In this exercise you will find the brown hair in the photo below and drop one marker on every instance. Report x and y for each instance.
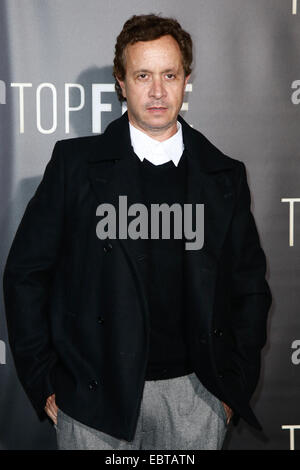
(148, 28)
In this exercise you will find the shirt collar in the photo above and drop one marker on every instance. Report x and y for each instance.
(153, 150)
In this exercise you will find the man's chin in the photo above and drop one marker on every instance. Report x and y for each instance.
(158, 123)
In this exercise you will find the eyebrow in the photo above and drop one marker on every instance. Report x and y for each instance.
(149, 71)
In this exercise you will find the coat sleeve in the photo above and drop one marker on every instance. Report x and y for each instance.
(27, 282)
(250, 294)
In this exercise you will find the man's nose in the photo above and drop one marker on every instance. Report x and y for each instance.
(157, 89)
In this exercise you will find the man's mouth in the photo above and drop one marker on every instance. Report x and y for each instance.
(157, 108)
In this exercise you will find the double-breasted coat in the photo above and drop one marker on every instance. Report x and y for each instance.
(76, 306)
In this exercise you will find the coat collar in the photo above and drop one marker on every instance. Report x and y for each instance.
(115, 144)
(209, 181)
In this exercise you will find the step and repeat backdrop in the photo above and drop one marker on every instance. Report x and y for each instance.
(244, 94)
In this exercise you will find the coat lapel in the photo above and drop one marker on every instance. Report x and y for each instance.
(210, 181)
(113, 171)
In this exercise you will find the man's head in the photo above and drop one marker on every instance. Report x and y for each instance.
(152, 64)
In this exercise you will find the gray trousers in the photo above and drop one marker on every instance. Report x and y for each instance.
(175, 414)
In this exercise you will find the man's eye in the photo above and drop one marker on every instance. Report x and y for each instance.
(142, 75)
(170, 75)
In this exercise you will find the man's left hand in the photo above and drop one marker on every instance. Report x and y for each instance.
(228, 411)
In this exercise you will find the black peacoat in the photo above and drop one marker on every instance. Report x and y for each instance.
(76, 305)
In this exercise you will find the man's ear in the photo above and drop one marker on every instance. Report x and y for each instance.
(122, 85)
(186, 80)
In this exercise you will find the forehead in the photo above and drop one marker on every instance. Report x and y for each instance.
(164, 50)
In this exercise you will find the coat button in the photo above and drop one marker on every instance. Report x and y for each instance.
(142, 257)
(102, 180)
(107, 247)
(93, 384)
(218, 332)
(100, 320)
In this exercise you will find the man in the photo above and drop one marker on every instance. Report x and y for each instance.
(136, 343)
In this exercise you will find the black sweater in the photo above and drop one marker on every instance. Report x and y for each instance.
(167, 358)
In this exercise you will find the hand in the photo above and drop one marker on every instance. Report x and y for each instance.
(228, 411)
(51, 408)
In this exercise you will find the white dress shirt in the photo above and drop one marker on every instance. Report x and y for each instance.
(153, 150)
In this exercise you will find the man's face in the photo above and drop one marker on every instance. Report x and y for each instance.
(154, 85)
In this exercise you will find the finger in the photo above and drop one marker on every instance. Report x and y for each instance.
(230, 416)
(51, 404)
(228, 412)
(52, 415)
(226, 408)
(51, 397)
(53, 409)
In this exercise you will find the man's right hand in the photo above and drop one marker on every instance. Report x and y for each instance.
(51, 408)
